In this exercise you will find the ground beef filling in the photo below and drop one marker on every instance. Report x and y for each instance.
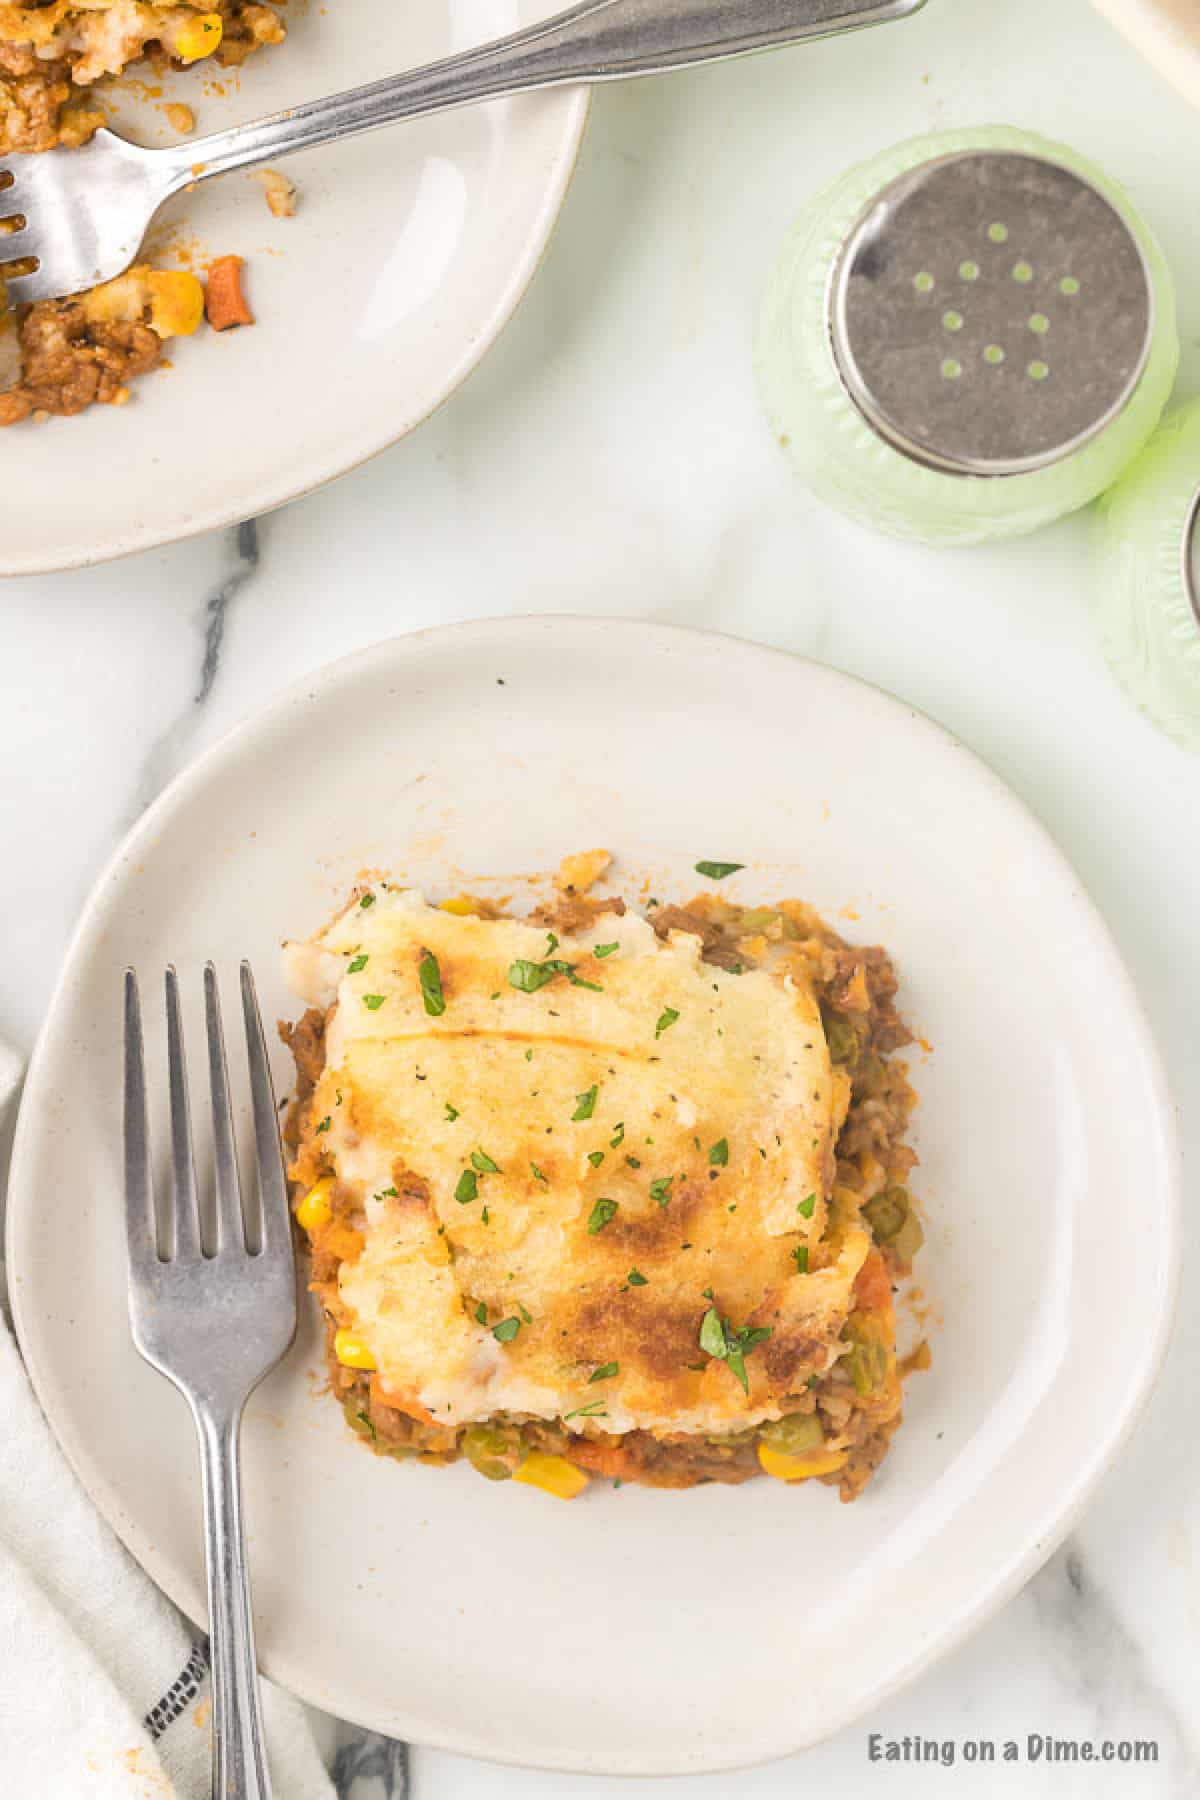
(69, 362)
(856, 988)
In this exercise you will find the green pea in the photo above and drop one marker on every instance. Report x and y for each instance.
(886, 1214)
(841, 1037)
(756, 918)
(492, 1449)
(796, 1434)
(909, 1238)
(866, 1362)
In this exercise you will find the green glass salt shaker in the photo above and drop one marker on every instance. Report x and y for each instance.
(1148, 577)
(967, 337)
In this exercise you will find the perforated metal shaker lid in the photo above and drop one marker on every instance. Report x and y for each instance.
(990, 312)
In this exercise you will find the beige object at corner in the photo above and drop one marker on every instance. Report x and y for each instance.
(1167, 32)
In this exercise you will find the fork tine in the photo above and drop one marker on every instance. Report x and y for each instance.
(22, 289)
(140, 1229)
(272, 1181)
(185, 1231)
(231, 1231)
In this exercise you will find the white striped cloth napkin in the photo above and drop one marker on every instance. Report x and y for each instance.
(106, 1690)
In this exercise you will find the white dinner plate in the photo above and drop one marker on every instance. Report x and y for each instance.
(632, 1630)
(408, 252)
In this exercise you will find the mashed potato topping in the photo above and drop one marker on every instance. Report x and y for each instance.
(575, 1185)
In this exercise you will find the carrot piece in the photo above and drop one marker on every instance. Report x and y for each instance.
(873, 1289)
(224, 303)
(602, 1459)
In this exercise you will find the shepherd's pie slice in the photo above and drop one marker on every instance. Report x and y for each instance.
(573, 1194)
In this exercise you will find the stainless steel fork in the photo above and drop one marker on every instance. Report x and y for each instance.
(214, 1320)
(85, 211)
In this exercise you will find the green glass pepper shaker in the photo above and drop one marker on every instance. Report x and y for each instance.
(1148, 577)
(967, 337)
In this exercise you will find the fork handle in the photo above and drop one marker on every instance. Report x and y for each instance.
(598, 40)
(239, 1752)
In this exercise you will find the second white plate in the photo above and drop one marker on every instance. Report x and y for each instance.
(407, 254)
(632, 1631)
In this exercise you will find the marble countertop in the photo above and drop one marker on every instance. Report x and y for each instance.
(610, 457)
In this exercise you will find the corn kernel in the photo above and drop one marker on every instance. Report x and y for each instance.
(798, 1468)
(463, 907)
(352, 1350)
(176, 302)
(553, 1474)
(316, 1208)
(199, 37)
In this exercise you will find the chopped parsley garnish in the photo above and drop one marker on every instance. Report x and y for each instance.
(718, 1156)
(372, 1002)
(717, 871)
(360, 962)
(451, 1112)
(431, 985)
(635, 1162)
(720, 1340)
(538, 1176)
(605, 949)
(388, 1193)
(618, 1136)
(597, 1410)
(801, 1255)
(660, 1190)
(481, 1313)
(528, 977)
(367, 900)
(527, 1317)
(635, 1278)
(506, 1330)
(595, 1157)
(326, 1122)
(482, 1161)
(666, 1019)
(485, 1215)
(604, 1373)
(468, 1187)
(364, 1419)
(586, 1104)
(529, 1056)
(601, 1213)
(805, 1208)
(551, 944)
